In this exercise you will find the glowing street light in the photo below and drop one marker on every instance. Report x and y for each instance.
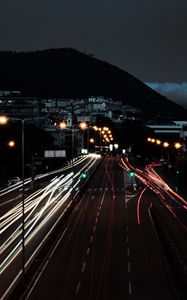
(166, 144)
(152, 140)
(11, 144)
(96, 128)
(3, 120)
(63, 125)
(83, 125)
(149, 139)
(158, 142)
(178, 145)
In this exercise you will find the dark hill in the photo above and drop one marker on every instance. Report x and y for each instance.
(69, 73)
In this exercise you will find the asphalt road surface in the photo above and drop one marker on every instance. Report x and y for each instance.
(105, 251)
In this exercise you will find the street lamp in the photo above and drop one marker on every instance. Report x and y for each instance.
(166, 144)
(4, 120)
(83, 126)
(11, 144)
(178, 145)
(63, 125)
(158, 142)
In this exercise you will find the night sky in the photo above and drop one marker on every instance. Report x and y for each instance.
(147, 38)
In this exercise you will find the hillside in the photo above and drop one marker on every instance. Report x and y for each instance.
(69, 73)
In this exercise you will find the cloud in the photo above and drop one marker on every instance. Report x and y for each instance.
(174, 91)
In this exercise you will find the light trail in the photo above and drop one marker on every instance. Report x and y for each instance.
(40, 208)
(138, 205)
(169, 198)
(18, 185)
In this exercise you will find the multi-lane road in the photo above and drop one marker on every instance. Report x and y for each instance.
(43, 209)
(108, 247)
(103, 252)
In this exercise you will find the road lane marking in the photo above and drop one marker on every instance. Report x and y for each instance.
(129, 267)
(94, 228)
(127, 239)
(91, 238)
(88, 251)
(125, 204)
(78, 287)
(83, 266)
(96, 220)
(127, 228)
(102, 199)
(128, 251)
(130, 288)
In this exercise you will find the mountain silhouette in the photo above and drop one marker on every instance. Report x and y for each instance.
(69, 73)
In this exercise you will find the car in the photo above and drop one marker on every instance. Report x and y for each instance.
(13, 180)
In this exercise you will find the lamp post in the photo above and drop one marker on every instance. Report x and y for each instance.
(4, 120)
(63, 125)
(177, 146)
(83, 126)
(98, 129)
(11, 144)
(166, 145)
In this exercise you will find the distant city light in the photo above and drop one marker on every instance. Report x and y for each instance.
(3, 120)
(83, 125)
(62, 125)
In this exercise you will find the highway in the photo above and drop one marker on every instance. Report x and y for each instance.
(43, 208)
(108, 248)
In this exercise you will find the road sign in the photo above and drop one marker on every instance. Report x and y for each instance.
(54, 153)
